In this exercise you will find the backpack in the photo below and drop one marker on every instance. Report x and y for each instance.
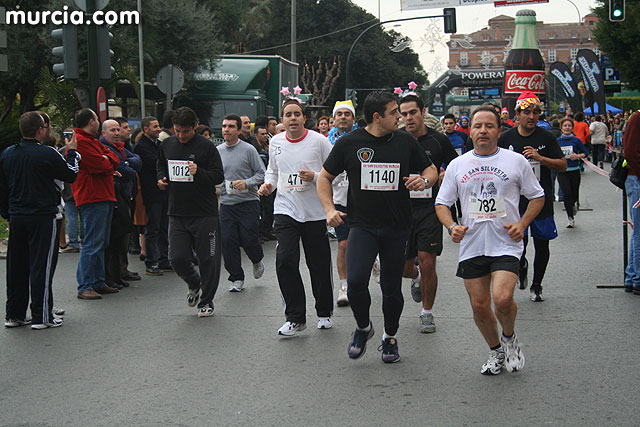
(618, 174)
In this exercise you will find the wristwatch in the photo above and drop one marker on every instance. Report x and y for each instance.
(450, 229)
(426, 182)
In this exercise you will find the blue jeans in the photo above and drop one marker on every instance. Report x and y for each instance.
(632, 277)
(96, 219)
(74, 228)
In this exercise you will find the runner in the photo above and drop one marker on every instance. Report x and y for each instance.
(489, 181)
(295, 161)
(569, 181)
(543, 152)
(378, 160)
(425, 240)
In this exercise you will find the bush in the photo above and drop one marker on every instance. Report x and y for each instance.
(625, 103)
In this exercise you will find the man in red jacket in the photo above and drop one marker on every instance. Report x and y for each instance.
(94, 195)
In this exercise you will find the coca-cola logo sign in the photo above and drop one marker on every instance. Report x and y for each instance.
(517, 81)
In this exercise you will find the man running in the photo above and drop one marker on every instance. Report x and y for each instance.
(425, 240)
(378, 160)
(489, 181)
(543, 152)
(295, 161)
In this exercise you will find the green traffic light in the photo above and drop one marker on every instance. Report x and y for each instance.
(617, 13)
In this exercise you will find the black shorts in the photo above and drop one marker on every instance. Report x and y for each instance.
(426, 233)
(479, 266)
(342, 231)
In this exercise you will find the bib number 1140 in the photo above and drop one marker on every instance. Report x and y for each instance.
(379, 176)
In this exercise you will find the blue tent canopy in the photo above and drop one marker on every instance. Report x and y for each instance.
(611, 108)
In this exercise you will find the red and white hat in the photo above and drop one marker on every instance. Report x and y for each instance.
(526, 99)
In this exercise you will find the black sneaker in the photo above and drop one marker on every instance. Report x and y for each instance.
(522, 274)
(358, 345)
(389, 349)
(153, 271)
(535, 293)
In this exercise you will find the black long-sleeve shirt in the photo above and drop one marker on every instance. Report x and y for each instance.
(190, 195)
(27, 173)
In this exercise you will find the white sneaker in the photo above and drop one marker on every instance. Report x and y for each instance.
(289, 328)
(494, 365)
(572, 223)
(14, 323)
(58, 311)
(56, 322)
(514, 359)
(342, 300)
(324, 323)
(258, 270)
(237, 286)
(193, 297)
(206, 311)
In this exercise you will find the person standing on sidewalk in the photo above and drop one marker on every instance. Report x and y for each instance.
(295, 161)
(189, 167)
(631, 143)
(240, 203)
(29, 199)
(489, 182)
(378, 160)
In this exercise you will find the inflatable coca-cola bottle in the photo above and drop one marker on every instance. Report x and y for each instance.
(524, 67)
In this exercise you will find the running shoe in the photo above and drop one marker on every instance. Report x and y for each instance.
(571, 223)
(289, 329)
(258, 270)
(389, 349)
(495, 363)
(237, 286)
(56, 322)
(522, 274)
(193, 297)
(324, 323)
(535, 293)
(342, 300)
(206, 311)
(514, 359)
(416, 293)
(358, 345)
(58, 311)
(427, 324)
(14, 323)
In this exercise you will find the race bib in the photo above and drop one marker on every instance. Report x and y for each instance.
(379, 176)
(422, 194)
(486, 209)
(291, 182)
(230, 189)
(344, 182)
(179, 171)
(567, 151)
(535, 165)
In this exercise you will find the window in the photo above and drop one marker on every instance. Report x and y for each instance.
(464, 58)
(551, 55)
(574, 52)
(596, 50)
(551, 36)
(507, 37)
(485, 37)
(464, 92)
(574, 35)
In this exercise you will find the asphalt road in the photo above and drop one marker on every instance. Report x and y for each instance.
(142, 357)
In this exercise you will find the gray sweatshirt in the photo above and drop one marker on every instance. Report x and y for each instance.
(240, 161)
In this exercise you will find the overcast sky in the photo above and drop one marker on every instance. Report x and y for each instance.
(469, 19)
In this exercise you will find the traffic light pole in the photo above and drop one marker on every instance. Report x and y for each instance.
(346, 73)
(94, 73)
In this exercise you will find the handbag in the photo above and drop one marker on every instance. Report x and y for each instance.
(619, 172)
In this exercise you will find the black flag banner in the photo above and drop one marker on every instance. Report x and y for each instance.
(561, 72)
(592, 77)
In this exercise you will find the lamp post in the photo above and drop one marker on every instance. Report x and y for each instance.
(579, 21)
(346, 73)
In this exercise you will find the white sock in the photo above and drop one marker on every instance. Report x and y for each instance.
(426, 312)
(386, 335)
(418, 277)
(343, 283)
(367, 329)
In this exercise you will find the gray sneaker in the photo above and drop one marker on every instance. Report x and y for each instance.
(416, 293)
(427, 324)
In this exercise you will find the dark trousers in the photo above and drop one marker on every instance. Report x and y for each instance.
(31, 258)
(239, 228)
(570, 184)
(113, 258)
(597, 153)
(266, 213)
(540, 259)
(317, 254)
(203, 234)
(156, 233)
(362, 247)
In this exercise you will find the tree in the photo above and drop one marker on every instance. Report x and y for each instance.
(619, 40)
(320, 79)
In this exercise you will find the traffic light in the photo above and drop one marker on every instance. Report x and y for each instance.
(450, 20)
(616, 10)
(68, 35)
(103, 37)
(352, 95)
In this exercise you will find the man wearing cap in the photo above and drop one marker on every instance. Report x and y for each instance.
(345, 116)
(544, 154)
(505, 122)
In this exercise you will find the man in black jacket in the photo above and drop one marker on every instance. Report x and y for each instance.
(29, 199)
(155, 201)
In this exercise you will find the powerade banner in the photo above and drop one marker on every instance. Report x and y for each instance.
(439, 89)
(561, 72)
(592, 77)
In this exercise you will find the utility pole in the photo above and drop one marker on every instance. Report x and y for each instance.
(141, 61)
(293, 31)
(94, 73)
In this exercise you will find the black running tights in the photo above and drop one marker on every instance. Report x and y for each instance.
(541, 258)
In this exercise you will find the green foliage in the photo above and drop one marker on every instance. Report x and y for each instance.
(58, 94)
(625, 103)
(619, 40)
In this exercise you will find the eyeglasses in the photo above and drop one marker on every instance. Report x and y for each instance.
(45, 126)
